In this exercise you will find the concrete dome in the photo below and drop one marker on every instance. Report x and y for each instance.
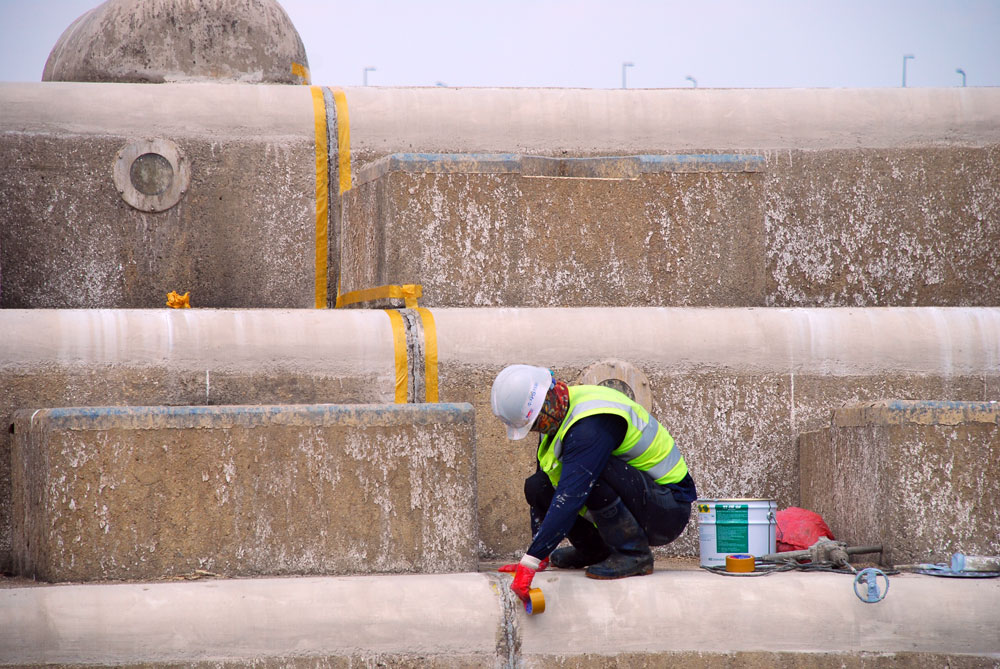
(155, 41)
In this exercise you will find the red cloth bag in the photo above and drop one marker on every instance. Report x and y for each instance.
(798, 529)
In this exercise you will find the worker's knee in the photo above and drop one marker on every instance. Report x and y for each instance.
(538, 490)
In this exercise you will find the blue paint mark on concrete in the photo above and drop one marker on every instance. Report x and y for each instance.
(158, 417)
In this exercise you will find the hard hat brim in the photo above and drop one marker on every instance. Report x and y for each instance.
(518, 433)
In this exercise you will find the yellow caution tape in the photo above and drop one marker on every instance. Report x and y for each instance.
(322, 190)
(399, 342)
(408, 293)
(343, 139)
(430, 354)
(740, 563)
(535, 603)
(302, 72)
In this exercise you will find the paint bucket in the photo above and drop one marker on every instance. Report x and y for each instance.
(728, 526)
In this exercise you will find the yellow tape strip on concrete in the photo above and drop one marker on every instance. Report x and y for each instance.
(399, 342)
(322, 200)
(343, 139)
(430, 354)
(408, 292)
(301, 71)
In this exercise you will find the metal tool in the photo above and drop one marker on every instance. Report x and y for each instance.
(824, 550)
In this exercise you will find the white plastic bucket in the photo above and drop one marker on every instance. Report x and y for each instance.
(728, 526)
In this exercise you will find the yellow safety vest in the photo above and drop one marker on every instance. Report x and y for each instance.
(647, 445)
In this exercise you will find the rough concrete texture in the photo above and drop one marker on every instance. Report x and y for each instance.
(147, 492)
(156, 41)
(832, 228)
(241, 236)
(734, 386)
(919, 477)
(546, 240)
(882, 227)
(472, 619)
(874, 197)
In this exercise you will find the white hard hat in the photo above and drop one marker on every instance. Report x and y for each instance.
(518, 395)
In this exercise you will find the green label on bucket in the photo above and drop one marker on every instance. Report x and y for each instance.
(731, 534)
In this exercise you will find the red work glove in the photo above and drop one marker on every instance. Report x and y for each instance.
(523, 574)
(511, 568)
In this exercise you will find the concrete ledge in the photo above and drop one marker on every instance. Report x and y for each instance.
(146, 492)
(542, 120)
(472, 619)
(918, 477)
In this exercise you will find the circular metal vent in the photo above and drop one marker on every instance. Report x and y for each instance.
(151, 174)
(621, 376)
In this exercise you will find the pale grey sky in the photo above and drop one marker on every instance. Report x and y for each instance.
(583, 43)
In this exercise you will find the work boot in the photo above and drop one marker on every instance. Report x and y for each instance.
(630, 554)
(587, 547)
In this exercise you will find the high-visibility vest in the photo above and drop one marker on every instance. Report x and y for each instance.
(647, 445)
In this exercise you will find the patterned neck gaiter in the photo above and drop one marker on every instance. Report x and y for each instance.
(554, 410)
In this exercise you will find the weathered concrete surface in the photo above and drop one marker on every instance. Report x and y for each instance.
(822, 228)
(153, 41)
(690, 617)
(918, 477)
(110, 493)
(866, 197)
(889, 227)
(735, 387)
(677, 235)
(242, 235)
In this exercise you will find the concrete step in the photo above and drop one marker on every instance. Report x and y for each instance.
(680, 614)
(735, 387)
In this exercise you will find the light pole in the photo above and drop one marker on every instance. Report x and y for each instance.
(905, 58)
(624, 65)
(364, 74)
(693, 81)
(962, 72)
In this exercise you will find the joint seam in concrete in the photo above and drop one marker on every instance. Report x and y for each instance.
(509, 632)
(606, 167)
(416, 388)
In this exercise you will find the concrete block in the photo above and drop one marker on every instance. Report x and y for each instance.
(241, 235)
(918, 477)
(530, 231)
(150, 492)
(883, 227)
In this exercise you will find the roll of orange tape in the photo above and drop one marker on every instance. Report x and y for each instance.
(740, 563)
(536, 602)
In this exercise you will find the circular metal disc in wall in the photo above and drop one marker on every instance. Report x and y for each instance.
(151, 174)
(623, 377)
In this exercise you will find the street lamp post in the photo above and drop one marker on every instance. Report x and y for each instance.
(962, 72)
(905, 58)
(364, 74)
(624, 65)
(693, 81)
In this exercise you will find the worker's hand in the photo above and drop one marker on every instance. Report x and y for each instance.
(512, 567)
(523, 574)
(522, 582)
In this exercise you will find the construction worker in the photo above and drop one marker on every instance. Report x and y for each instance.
(609, 477)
